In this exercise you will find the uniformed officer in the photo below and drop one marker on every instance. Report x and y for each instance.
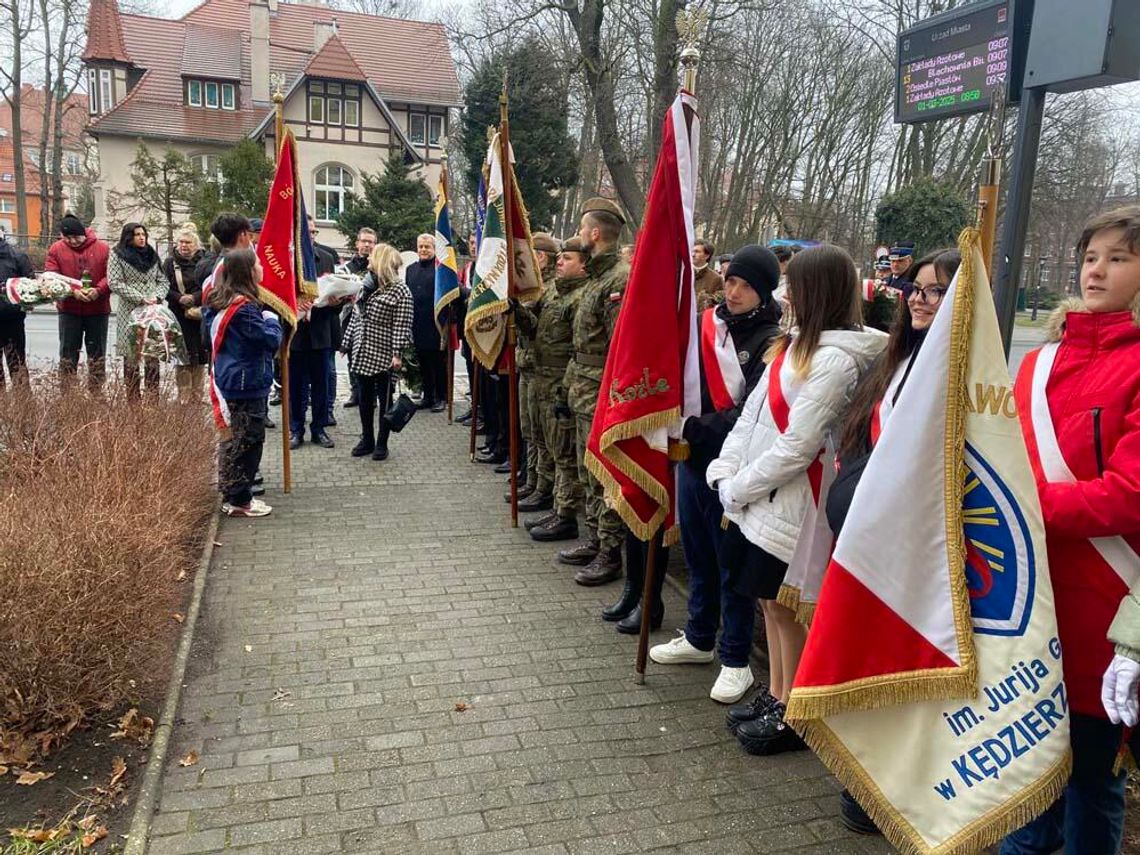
(594, 322)
(553, 323)
(539, 463)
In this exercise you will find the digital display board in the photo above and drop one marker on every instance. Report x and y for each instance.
(955, 63)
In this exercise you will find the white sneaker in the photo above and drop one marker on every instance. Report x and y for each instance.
(678, 651)
(256, 508)
(732, 684)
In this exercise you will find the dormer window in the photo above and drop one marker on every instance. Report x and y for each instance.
(100, 97)
(334, 103)
(211, 94)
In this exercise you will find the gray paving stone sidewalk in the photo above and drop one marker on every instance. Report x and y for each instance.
(340, 635)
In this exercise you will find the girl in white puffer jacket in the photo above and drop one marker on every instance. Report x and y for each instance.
(770, 469)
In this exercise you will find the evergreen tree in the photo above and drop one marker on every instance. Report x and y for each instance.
(930, 213)
(246, 175)
(546, 162)
(398, 206)
(161, 187)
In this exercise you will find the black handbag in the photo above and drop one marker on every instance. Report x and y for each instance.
(400, 412)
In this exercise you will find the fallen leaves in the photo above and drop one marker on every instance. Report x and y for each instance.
(135, 727)
(93, 836)
(461, 707)
(87, 830)
(28, 779)
(118, 769)
(179, 618)
(190, 759)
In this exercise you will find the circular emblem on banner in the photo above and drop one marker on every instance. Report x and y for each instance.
(1000, 565)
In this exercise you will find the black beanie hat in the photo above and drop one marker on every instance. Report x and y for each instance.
(756, 265)
(71, 226)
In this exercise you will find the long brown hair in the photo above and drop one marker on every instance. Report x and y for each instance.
(856, 433)
(234, 279)
(823, 289)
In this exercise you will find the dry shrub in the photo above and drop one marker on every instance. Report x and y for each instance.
(103, 506)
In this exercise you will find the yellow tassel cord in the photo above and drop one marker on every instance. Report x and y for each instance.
(872, 693)
(271, 300)
(643, 529)
(978, 835)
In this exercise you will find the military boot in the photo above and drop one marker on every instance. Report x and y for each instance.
(541, 519)
(537, 500)
(580, 555)
(525, 490)
(556, 529)
(605, 568)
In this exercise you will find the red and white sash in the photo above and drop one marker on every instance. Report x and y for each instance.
(218, 328)
(808, 564)
(723, 374)
(882, 410)
(1045, 454)
(209, 283)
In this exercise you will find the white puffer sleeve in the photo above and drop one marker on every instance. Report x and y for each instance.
(735, 447)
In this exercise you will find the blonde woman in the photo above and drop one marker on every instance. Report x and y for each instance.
(379, 328)
(185, 300)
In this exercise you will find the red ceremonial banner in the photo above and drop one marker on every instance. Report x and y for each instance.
(276, 248)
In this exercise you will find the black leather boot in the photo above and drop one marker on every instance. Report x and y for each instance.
(631, 623)
(630, 595)
(536, 501)
(541, 519)
(580, 555)
(556, 529)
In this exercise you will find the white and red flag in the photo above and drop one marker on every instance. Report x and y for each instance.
(652, 380)
(931, 682)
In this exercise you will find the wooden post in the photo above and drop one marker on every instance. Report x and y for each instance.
(988, 185)
(450, 368)
(512, 370)
(287, 340)
(474, 408)
(647, 607)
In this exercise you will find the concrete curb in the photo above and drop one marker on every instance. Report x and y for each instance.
(139, 832)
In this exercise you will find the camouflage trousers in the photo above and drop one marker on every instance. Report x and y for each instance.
(526, 429)
(599, 516)
(539, 401)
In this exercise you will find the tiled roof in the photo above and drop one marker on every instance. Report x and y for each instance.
(105, 33)
(334, 60)
(211, 52)
(32, 116)
(406, 61)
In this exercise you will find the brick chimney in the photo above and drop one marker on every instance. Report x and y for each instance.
(259, 47)
(322, 32)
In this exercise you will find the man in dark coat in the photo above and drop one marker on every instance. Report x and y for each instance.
(12, 340)
(901, 258)
(327, 260)
(426, 338)
(317, 334)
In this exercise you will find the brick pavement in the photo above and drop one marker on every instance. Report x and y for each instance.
(338, 635)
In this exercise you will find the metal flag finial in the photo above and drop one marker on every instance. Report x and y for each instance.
(691, 25)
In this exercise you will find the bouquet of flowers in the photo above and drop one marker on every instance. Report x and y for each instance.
(45, 288)
(337, 286)
(155, 334)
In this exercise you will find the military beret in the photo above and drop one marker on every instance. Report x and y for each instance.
(545, 243)
(574, 244)
(598, 204)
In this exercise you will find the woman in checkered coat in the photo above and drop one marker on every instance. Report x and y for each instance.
(378, 330)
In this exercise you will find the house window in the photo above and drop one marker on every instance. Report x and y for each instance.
(211, 94)
(352, 113)
(7, 206)
(435, 129)
(228, 99)
(106, 98)
(417, 128)
(74, 164)
(333, 106)
(92, 91)
(332, 188)
(194, 93)
(209, 165)
(316, 109)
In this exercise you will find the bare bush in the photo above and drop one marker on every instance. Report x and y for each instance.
(103, 505)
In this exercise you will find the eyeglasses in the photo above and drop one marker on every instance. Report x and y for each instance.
(931, 295)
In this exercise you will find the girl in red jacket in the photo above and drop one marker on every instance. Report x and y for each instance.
(1078, 399)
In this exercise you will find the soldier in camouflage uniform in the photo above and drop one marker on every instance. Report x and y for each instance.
(539, 464)
(553, 322)
(594, 322)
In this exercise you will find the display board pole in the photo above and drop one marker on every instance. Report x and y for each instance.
(1016, 220)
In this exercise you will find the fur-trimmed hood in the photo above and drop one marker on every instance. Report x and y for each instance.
(1055, 325)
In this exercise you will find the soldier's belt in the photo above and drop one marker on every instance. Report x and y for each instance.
(590, 360)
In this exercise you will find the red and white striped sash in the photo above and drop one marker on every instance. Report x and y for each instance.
(781, 396)
(218, 329)
(1046, 457)
(723, 374)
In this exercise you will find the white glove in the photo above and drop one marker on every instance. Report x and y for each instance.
(727, 500)
(268, 315)
(1118, 690)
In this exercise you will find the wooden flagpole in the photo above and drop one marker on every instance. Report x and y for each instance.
(474, 408)
(509, 229)
(989, 184)
(286, 452)
(691, 23)
(445, 343)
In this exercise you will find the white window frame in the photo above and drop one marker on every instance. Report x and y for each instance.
(435, 139)
(190, 86)
(324, 191)
(106, 90)
(206, 94)
(330, 103)
(421, 137)
(229, 97)
(317, 117)
(74, 164)
(92, 92)
(354, 105)
(7, 206)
